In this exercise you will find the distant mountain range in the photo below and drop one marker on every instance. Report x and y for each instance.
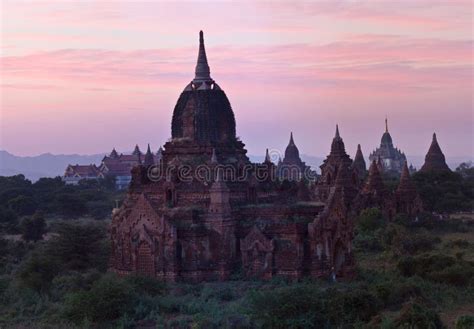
(44, 165)
(52, 165)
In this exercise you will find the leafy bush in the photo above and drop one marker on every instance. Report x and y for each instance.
(8, 220)
(289, 307)
(415, 243)
(108, 299)
(305, 306)
(445, 192)
(460, 274)
(33, 228)
(146, 285)
(459, 243)
(79, 246)
(368, 242)
(38, 271)
(394, 293)
(417, 316)
(370, 219)
(354, 305)
(465, 322)
(409, 266)
(73, 282)
(439, 268)
(99, 209)
(23, 205)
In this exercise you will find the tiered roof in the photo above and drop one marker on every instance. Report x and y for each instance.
(82, 171)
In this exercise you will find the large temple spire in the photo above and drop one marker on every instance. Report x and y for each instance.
(337, 146)
(434, 159)
(203, 72)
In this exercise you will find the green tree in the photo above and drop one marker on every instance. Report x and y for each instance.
(370, 220)
(417, 316)
(23, 205)
(79, 247)
(465, 322)
(38, 271)
(70, 204)
(109, 299)
(33, 228)
(8, 220)
(445, 192)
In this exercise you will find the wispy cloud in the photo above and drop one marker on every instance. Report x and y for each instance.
(364, 62)
(304, 65)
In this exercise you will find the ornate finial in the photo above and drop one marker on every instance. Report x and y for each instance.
(386, 125)
(358, 147)
(434, 137)
(337, 131)
(203, 72)
(291, 138)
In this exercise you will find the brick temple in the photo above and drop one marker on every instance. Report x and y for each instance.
(205, 212)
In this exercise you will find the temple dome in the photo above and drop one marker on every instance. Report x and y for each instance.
(203, 113)
(386, 139)
(292, 154)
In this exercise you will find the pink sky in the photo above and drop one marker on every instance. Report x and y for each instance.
(86, 76)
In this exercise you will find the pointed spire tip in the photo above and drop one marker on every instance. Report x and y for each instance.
(291, 138)
(202, 72)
